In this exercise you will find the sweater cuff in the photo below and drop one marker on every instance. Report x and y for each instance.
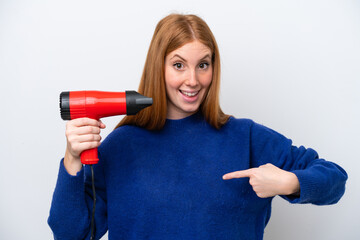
(69, 185)
(308, 190)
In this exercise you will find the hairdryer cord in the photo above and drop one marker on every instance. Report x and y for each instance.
(92, 237)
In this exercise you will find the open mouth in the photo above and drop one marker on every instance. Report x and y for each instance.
(189, 94)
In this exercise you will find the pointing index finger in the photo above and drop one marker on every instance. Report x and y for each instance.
(238, 174)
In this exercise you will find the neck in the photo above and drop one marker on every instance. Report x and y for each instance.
(178, 115)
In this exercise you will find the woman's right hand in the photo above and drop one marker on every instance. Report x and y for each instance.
(81, 134)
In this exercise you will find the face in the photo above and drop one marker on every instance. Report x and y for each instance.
(188, 74)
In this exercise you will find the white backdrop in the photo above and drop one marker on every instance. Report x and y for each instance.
(291, 65)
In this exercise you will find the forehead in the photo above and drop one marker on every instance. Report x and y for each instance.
(191, 49)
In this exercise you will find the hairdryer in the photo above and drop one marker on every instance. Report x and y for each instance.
(98, 104)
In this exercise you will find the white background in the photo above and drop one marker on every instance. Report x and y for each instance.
(293, 66)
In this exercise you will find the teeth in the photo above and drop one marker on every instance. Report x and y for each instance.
(189, 94)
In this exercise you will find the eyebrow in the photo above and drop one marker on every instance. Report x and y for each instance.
(177, 55)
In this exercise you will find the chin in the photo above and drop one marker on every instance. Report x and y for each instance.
(191, 110)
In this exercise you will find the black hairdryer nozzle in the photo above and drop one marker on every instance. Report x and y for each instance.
(136, 102)
(65, 106)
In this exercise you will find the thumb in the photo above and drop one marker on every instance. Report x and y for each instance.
(102, 125)
(238, 174)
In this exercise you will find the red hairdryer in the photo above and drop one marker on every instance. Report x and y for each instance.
(98, 104)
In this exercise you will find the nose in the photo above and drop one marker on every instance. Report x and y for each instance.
(192, 78)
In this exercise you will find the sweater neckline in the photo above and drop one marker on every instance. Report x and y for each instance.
(196, 117)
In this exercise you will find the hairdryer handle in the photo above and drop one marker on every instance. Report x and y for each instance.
(89, 156)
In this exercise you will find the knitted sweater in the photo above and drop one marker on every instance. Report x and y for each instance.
(168, 184)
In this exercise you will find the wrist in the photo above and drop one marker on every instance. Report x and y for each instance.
(293, 185)
(72, 164)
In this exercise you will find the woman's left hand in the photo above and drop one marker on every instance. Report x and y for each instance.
(268, 180)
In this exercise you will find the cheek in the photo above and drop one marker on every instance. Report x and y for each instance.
(206, 79)
(171, 80)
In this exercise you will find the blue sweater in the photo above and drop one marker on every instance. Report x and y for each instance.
(168, 184)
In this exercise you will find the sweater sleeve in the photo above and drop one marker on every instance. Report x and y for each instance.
(321, 182)
(71, 207)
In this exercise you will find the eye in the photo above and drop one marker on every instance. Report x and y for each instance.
(204, 65)
(178, 66)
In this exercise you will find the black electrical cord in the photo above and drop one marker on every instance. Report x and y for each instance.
(92, 237)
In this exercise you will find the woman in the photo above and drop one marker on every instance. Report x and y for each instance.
(182, 169)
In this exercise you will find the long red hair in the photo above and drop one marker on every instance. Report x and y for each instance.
(171, 33)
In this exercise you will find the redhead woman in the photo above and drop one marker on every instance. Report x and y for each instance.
(182, 169)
